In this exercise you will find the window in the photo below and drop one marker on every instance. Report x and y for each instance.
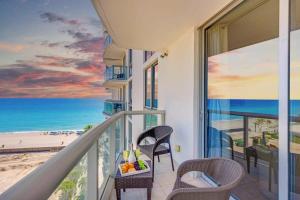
(294, 100)
(147, 55)
(151, 86)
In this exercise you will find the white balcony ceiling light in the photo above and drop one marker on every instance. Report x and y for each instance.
(154, 24)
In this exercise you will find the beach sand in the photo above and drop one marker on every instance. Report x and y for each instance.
(13, 167)
(36, 139)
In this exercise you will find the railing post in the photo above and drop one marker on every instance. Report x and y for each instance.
(246, 129)
(92, 172)
(112, 146)
(122, 133)
(163, 118)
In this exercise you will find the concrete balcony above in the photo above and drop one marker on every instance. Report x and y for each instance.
(116, 76)
(153, 25)
(113, 55)
(112, 106)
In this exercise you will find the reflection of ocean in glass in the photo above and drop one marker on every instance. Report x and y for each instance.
(49, 114)
(250, 106)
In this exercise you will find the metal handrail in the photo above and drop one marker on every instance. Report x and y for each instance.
(44, 180)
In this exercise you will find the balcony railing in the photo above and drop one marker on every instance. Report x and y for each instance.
(83, 169)
(116, 73)
(253, 127)
(111, 107)
(107, 40)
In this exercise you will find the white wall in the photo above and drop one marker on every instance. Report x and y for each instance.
(176, 94)
(137, 93)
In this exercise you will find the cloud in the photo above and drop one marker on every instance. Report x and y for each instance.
(78, 35)
(76, 70)
(21, 80)
(93, 45)
(12, 48)
(46, 43)
(52, 17)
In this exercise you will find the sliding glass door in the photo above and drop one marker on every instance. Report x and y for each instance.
(242, 82)
(294, 121)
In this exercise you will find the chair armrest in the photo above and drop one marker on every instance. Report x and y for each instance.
(143, 135)
(193, 165)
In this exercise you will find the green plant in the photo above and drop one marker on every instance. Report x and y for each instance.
(87, 127)
(296, 139)
(239, 142)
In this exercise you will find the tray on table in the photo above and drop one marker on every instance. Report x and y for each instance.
(134, 172)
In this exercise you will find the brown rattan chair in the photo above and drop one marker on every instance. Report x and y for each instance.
(224, 172)
(161, 135)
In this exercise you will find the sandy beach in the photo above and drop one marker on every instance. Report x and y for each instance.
(13, 167)
(36, 139)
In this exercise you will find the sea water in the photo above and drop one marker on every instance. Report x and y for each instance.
(36, 114)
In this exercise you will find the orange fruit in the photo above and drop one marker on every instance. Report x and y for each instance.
(131, 165)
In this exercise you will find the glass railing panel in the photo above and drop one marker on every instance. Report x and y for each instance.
(108, 41)
(74, 185)
(116, 73)
(104, 160)
(119, 142)
(111, 107)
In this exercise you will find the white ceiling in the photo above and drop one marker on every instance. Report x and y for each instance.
(153, 24)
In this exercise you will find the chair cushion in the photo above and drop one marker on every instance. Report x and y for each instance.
(148, 149)
(180, 184)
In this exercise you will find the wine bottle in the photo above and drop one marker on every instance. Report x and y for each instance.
(131, 158)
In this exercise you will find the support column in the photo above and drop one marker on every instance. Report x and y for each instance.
(284, 52)
(92, 172)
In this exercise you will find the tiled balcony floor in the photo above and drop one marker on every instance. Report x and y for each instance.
(164, 179)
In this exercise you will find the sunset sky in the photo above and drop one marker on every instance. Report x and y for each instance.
(50, 48)
(252, 72)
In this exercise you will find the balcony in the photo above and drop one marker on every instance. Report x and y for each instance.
(115, 76)
(112, 107)
(113, 55)
(83, 169)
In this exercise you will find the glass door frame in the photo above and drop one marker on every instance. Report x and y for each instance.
(284, 78)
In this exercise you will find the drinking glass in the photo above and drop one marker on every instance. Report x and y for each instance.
(125, 155)
(138, 153)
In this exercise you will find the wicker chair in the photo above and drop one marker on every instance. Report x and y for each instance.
(161, 135)
(224, 172)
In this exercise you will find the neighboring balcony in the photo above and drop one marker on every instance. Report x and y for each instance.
(111, 107)
(115, 76)
(113, 55)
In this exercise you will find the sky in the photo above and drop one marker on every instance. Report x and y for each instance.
(252, 72)
(50, 49)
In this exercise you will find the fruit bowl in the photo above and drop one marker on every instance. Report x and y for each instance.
(138, 167)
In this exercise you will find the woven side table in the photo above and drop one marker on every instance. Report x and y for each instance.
(143, 180)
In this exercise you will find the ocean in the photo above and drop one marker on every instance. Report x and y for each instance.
(22, 115)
